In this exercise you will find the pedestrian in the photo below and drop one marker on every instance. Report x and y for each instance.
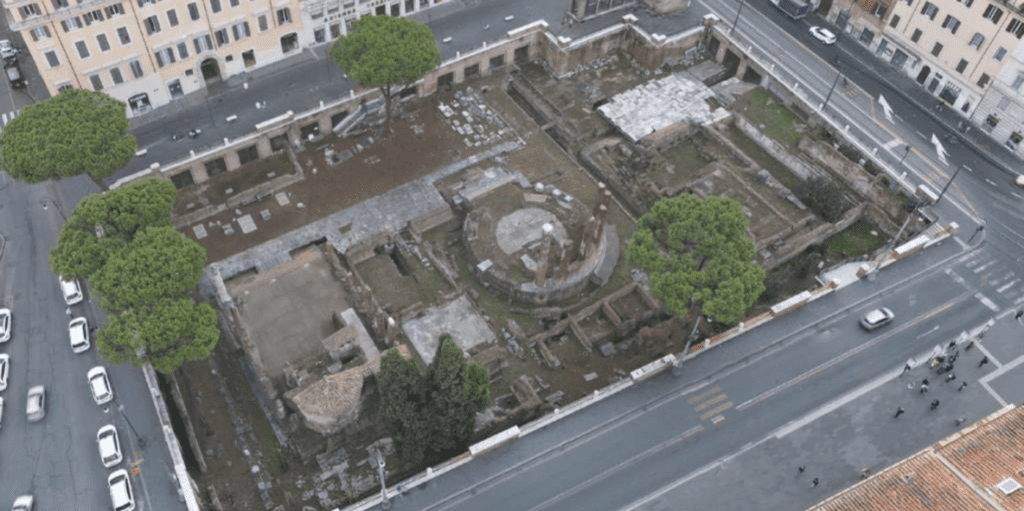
(984, 360)
(952, 344)
(1018, 315)
(962, 386)
(924, 381)
(899, 411)
(801, 469)
(906, 369)
(950, 378)
(969, 346)
(865, 473)
(935, 404)
(924, 389)
(960, 420)
(814, 482)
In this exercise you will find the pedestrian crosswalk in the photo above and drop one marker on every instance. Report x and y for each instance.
(710, 404)
(997, 281)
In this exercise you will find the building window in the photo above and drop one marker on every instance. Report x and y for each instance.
(101, 39)
(83, 50)
(1015, 27)
(992, 121)
(977, 40)
(1000, 53)
(92, 17)
(916, 36)
(172, 18)
(115, 10)
(143, 3)
(936, 49)
(951, 23)
(97, 84)
(241, 30)
(60, 4)
(234, 3)
(215, 5)
(203, 43)
(929, 10)
(164, 57)
(894, 21)
(51, 58)
(122, 34)
(992, 13)
(64, 86)
(262, 21)
(1003, 103)
(222, 37)
(115, 75)
(1014, 140)
(983, 81)
(182, 51)
(193, 11)
(40, 32)
(967, 3)
(284, 16)
(1017, 82)
(136, 68)
(960, 66)
(152, 25)
(880, 9)
(71, 24)
(30, 10)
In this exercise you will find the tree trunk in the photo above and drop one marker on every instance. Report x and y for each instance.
(386, 89)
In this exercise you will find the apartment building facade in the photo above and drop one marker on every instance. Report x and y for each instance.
(967, 53)
(149, 53)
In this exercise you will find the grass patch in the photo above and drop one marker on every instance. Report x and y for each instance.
(762, 158)
(854, 241)
(269, 445)
(685, 155)
(772, 117)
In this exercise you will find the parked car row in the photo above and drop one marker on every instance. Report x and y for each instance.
(107, 440)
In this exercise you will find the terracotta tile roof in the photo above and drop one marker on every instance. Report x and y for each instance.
(959, 473)
(337, 394)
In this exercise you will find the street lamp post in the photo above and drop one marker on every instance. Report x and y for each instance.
(138, 438)
(943, 192)
(737, 19)
(831, 90)
(905, 154)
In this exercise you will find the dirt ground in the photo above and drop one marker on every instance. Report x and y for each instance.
(408, 154)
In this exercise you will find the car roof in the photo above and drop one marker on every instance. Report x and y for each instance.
(876, 315)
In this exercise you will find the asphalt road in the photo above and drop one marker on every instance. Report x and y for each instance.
(57, 459)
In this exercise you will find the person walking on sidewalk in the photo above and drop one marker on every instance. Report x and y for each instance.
(814, 482)
(924, 388)
(961, 387)
(960, 420)
(950, 378)
(899, 411)
(984, 360)
(935, 404)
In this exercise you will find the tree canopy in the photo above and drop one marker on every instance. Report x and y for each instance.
(159, 263)
(166, 334)
(385, 52)
(698, 255)
(143, 270)
(118, 214)
(74, 132)
(432, 413)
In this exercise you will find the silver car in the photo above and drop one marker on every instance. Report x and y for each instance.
(876, 319)
(36, 407)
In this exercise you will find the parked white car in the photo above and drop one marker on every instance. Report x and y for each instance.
(5, 325)
(36, 407)
(5, 367)
(99, 384)
(72, 291)
(824, 35)
(121, 491)
(23, 503)
(1, 413)
(110, 446)
(78, 331)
